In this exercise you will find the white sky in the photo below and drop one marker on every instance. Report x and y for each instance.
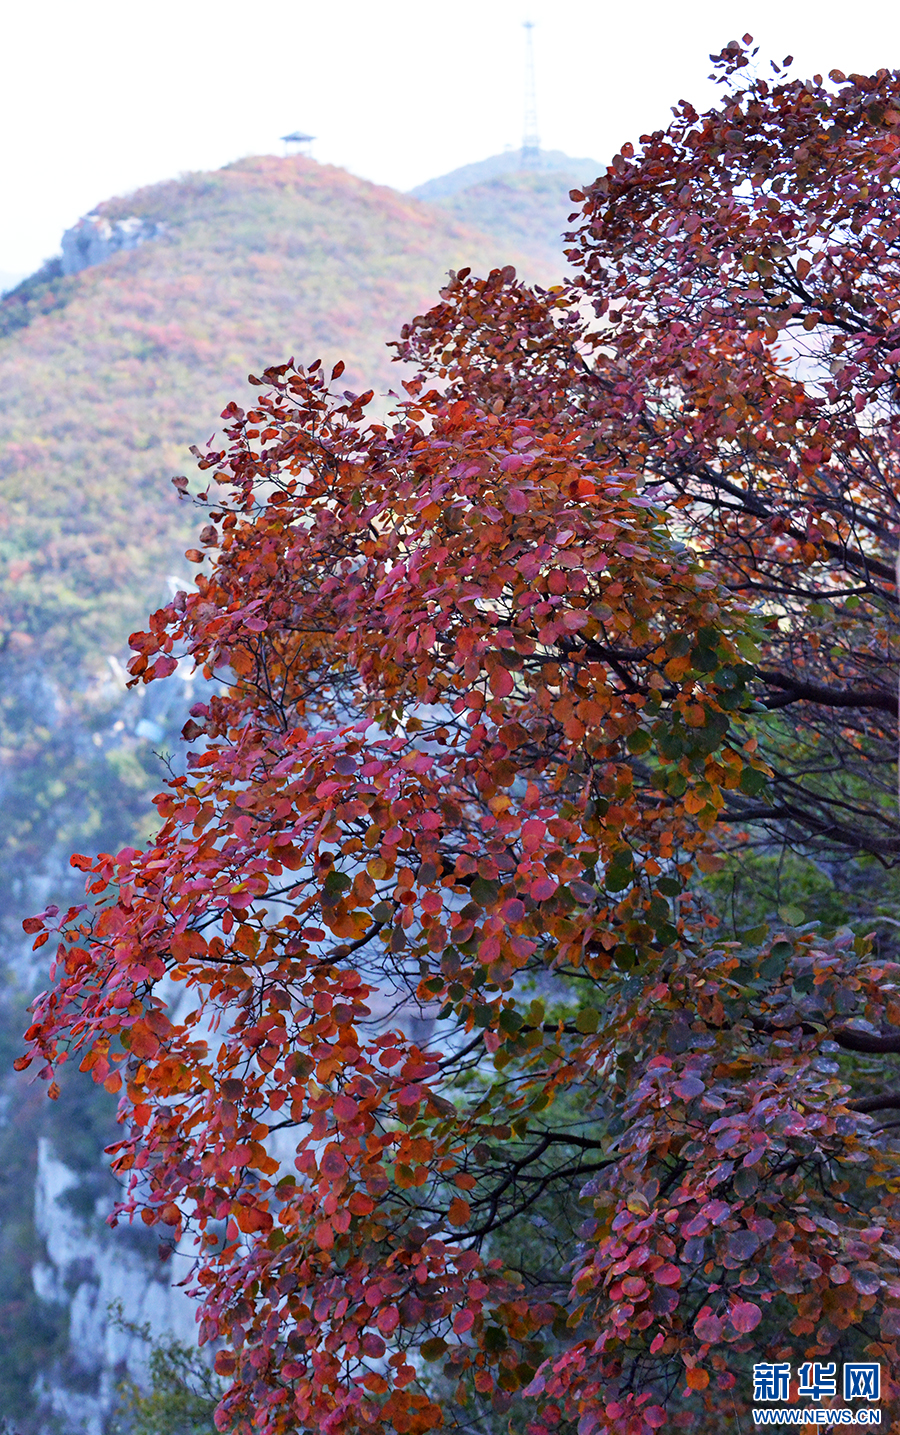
(101, 96)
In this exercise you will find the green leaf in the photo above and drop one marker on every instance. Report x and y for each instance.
(620, 872)
(624, 957)
(483, 892)
(746, 1182)
(678, 644)
(772, 966)
(671, 746)
(754, 935)
(335, 885)
(703, 660)
(752, 782)
(433, 1349)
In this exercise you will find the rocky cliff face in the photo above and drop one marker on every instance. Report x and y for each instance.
(63, 1270)
(95, 239)
(106, 1281)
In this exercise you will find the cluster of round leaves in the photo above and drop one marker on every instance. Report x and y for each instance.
(482, 711)
(753, 1212)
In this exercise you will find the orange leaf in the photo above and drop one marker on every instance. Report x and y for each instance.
(460, 1211)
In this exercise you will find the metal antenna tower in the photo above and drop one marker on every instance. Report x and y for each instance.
(531, 145)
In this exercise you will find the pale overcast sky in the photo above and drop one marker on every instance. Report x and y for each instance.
(101, 96)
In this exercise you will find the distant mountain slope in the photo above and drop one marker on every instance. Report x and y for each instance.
(103, 394)
(497, 166)
(521, 209)
(524, 208)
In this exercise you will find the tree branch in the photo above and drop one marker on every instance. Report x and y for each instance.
(889, 1101)
(796, 691)
(866, 1041)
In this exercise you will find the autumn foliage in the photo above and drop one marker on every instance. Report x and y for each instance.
(423, 1026)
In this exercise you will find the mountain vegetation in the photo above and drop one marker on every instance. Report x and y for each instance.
(262, 260)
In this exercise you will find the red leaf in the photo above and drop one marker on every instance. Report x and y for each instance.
(634, 1287)
(745, 1316)
(324, 1235)
(667, 1275)
(388, 1320)
(501, 683)
(333, 1162)
(543, 889)
(709, 1327)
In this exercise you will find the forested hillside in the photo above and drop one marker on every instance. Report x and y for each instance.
(108, 377)
(104, 394)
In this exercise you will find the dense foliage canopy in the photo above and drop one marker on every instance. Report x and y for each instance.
(424, 1024)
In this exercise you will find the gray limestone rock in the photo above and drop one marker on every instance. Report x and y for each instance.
(95, 238)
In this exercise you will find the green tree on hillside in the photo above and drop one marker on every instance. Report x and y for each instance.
(181, 1400)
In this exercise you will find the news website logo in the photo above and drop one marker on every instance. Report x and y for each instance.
(818, 1380)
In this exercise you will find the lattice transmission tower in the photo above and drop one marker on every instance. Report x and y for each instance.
(531, 145)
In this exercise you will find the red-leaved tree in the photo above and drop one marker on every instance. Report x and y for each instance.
(423, 1025)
